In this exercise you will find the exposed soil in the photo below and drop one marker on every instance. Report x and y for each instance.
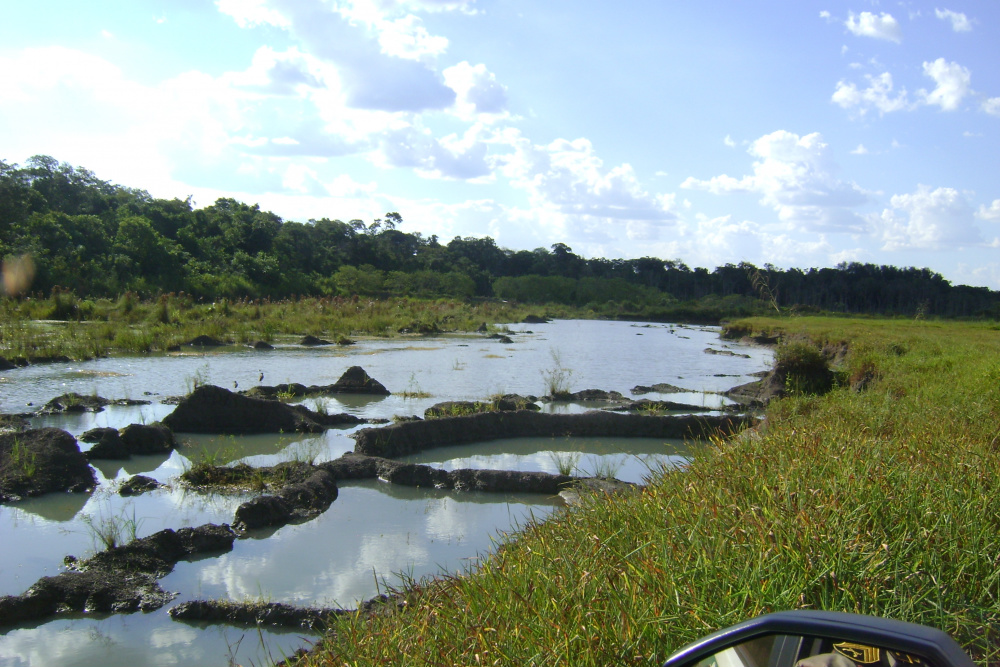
(211, 409)
(118, 580)
(410, 437)
(41, 461)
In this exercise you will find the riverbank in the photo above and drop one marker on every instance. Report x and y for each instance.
(64, 327)
(876, 498)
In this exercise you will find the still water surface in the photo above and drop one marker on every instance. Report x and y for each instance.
(374, 532)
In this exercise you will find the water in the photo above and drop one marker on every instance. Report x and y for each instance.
(374, 534)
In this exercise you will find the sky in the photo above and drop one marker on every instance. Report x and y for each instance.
(797, 134)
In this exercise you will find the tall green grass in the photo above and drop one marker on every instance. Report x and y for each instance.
(90, 328)
(883, 501)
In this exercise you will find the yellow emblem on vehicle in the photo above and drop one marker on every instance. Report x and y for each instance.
(859, 652)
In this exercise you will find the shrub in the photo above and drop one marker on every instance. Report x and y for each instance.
(803, 367)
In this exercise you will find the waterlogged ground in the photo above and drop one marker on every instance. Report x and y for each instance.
(375, 534)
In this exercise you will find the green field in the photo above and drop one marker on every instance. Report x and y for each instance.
(878, 499)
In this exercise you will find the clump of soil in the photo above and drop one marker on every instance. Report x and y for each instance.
(505, 403)
(42, 461)
(118, 580)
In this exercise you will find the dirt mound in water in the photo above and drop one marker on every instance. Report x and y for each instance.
(42, 461)
(409, 437)
(118, 580)
(211, 409)
(355, 380)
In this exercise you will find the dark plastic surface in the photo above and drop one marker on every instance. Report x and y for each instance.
(935, 646)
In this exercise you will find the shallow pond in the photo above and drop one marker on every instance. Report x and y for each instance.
(374, 532)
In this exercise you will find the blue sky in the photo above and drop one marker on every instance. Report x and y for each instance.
(793, 133)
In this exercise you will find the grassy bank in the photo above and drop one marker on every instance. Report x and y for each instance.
(65, 326)
(882, 501)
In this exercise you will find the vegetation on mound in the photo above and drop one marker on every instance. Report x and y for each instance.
(242, 477)
(881, 501)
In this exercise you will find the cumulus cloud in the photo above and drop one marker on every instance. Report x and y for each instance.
(866, 24)
(406, 37)
(569, 176)
(283, 73)
(959, 22)
(451, 157)
(795, 176)
(383, 60)
(928, 219)
(786, 249)
(718, 240)
(878, 95)
(572, 194)
(992, 106)
(991, 212)
(249, 13)
(953, 84)
(477, 91)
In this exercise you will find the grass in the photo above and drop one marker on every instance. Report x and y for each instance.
(413, 389)
(607, 467)
(556, 379)
(882, 501)
(22, 460)
(565, 461)
(89, 328)
(113, 530)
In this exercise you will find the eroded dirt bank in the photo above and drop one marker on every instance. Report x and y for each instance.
(410, 437)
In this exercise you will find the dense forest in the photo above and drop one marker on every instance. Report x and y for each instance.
(101, 240)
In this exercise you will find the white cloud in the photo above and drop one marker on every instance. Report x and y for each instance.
(572, 194)
(992, 106)
(249, 13)
(406, 37)
(451, 157)
(716, 241)
(860, 150)
(867, 24)
(824, 14)
(301, 179)
(850, 255)
(878, 95)
(570, 176)
(985, 274)
(345, 186)
(383, 62)
(929, 219)
(785, 249)
(991, 212)
(723, 184)
(477, 91)
(953, 84)
(794, 176)
(729, 141)
(284, 73)
(959, 22)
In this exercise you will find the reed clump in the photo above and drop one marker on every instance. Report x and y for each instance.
(875, 500)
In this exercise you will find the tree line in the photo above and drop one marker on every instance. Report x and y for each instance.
(102, 240)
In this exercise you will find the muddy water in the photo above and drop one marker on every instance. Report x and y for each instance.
(374, 532)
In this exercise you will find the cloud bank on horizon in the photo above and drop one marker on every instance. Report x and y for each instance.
(714, 134)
